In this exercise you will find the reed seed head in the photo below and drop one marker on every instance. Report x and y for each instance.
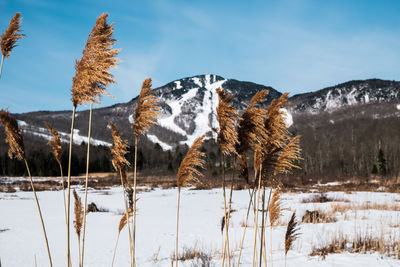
(188, 172)
(92, 71)
(291, 233)
(119, 150)
(274, 208)
(13, 136)
(10, 37)
(227, 117)
(147, 109)
(251, 129)
(54, 143)
(78, 210)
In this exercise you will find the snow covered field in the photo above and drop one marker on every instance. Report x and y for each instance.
(21, 239)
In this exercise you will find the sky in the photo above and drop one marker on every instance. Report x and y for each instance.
(294, 46)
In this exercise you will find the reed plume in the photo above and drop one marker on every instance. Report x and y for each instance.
(55, 144)
(92, 71)
(274, 208)
(292, 232)
(78, 210)
(17, 150)
(250, 130)
(92, 76)
(10, 37)
(146, 113)
(227, 117)
(118, 151)
(13, 136)
(147, 109)
(188, 174)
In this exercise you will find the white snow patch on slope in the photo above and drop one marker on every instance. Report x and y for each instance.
(398, 106)
(178, 84)
(366, 98)
(64, 137)
(288, 117)
(210, 103)
(131, 119)
(197, 81)
(155, 140)
(168, 121)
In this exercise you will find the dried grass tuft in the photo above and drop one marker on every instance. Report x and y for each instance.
(10, 37)
(147, 109)
(13, 136)
(188, 172)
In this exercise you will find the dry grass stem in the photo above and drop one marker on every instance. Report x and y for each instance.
(147, 109)
(10, 37)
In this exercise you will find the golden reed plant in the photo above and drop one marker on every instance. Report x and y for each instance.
(78, 211)
(188, 173)
(250, 134)
(92, 75)
(227, 139)
(17, 150)
(10, 37)
(145, 116)
(119, 162)
(55, 144)
(292, 232)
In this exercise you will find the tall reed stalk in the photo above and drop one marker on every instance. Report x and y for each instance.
(145, 116)
(227, 117)
(92, 75)
(118, 151)
(17, 150)
(122, 223)
(188, 173)
(10, 37)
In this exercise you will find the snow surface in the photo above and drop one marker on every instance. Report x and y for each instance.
(200, 215)
(398, 106)
(64, 137)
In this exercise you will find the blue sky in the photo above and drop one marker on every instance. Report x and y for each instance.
(294, 45)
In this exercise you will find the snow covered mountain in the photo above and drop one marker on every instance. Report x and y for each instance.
(346, 94)
(188, 109)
